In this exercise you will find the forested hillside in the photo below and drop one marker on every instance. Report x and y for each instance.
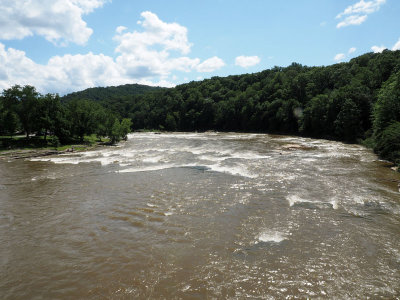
(114, 92)
(358, 101)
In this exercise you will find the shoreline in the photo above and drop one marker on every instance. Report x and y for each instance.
(40, 152)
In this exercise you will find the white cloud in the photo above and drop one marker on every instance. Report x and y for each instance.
(339, 57)
(120, 29)
(378, 49)
(61, 73)
(396, 46)
(147, 57)
(362, 7)
(157, 50)
(352, 50)
(58, 21)
(357, 13)
(352, 20)
(210, 65)
(247, 61)
(171, 36)
(88, 6)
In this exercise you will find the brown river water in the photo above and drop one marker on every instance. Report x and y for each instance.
(201, 216)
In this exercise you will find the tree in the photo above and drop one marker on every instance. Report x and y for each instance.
(125, 128)
(24, 102)
(170, 123)
(10, 122)
(388, 143)
(62, 125)
(348, 122)
(119, 130)
(47, 112)
(387, 108)
(82, 113)
(28, 109)
(314, 120)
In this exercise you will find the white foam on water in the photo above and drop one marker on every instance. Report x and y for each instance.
(357, 199)
(147, 168)
(249, 156)
(334, 203)
(62, 160)
(213, 158)
(153, 159)
(293, 199)
(234, 170)
(268, 236)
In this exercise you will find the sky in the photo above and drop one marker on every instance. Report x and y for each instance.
(62, 46)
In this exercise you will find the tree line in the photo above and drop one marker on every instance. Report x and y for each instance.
(357, 101)
(24, 110)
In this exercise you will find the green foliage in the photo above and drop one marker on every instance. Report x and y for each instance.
(315, 116)
(23, 101)
(388, 143)
(55, 142)
(348, 122)
(386, 123)
(101, 93)
(120, 130)
(23, 107)
(10, 123)
(170, 122)
(126, 125)
(387, 108)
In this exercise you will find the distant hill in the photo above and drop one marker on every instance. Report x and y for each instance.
(105, 93)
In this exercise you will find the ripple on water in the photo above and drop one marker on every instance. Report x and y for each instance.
(217, 215)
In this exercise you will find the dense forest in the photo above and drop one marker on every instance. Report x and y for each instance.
(358, 101)
(101, 93)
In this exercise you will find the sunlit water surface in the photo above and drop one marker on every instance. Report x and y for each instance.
(194, 216)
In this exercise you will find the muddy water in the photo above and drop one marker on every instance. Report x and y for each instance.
(195, 216)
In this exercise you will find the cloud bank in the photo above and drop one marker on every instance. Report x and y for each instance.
(145, 57)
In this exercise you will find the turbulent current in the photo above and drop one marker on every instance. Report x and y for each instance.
(201, 216)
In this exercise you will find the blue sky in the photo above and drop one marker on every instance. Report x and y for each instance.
(69, 45)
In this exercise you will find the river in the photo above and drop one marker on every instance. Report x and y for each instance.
(201, 216)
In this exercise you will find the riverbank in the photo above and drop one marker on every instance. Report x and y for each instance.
(22, 148)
